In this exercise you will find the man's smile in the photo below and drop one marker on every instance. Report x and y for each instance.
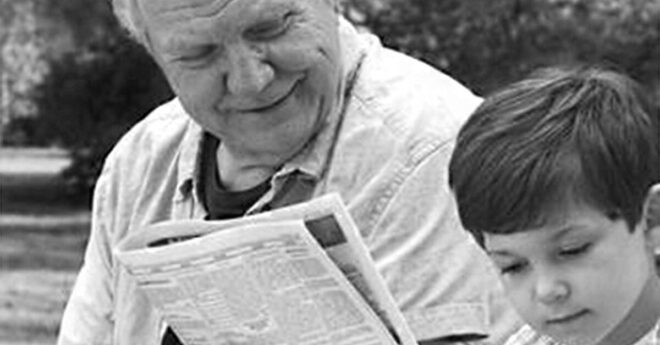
(274, 103)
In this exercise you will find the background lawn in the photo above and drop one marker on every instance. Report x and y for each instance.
(42, 238)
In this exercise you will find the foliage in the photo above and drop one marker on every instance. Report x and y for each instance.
(97, 89)
(22, 62)
(34, 33)
(486, 43)
(90, 99)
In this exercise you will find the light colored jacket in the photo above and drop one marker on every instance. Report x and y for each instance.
(386, 153)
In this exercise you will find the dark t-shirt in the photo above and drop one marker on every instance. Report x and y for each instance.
(220, 203)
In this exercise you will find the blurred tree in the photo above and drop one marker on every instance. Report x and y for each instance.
(22, 62)
(88, 101)
(487, 43)
(93, 94)
(97, 89)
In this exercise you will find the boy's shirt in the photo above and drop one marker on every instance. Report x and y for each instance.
(653, 337)
(527, 336)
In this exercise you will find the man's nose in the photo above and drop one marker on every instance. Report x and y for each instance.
(248, 72)
(550, 288)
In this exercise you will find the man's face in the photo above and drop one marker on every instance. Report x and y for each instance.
(577, 278)
(261, 75)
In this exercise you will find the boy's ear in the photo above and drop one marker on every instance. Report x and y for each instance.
(651, 216)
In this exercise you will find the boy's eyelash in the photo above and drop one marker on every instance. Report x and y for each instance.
(575, 250)
(567, 252)
(512, 269)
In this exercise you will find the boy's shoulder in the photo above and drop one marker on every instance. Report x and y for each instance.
(527, 336)
(653, 338)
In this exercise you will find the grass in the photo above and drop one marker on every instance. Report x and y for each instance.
(43, 232)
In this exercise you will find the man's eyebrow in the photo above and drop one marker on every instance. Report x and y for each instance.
(175, 43)
(179, 42)
(214, 7)
(269, 10)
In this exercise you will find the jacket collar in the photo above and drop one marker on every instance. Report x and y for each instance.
(314, 158)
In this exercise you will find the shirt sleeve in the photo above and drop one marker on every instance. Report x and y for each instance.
(441, 279)
(87, 318)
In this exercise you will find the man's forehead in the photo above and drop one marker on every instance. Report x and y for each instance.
(180, 6)
(165, 12)
(212, 5)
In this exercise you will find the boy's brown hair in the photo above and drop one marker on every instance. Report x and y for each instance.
(565, 134)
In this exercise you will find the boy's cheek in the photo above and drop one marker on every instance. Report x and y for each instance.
(519, 298)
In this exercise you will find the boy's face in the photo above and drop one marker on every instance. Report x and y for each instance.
(574, 279)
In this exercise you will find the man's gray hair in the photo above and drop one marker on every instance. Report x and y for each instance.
(130, 17)
(129, 14)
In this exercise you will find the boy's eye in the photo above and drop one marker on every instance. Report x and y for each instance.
(271, 28)
(514, 268)
(576, 250)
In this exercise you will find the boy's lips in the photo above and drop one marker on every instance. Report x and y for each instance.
(566, 318)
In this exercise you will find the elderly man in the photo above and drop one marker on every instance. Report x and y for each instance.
(279, 101)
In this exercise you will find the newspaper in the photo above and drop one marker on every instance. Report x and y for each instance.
(295, 275)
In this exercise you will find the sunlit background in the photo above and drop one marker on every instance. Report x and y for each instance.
(71, 83)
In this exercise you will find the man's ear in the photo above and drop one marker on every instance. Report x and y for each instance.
(651, 216)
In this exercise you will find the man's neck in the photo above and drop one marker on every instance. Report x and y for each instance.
(243, 172)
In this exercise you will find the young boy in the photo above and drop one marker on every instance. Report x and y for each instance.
(556, 177)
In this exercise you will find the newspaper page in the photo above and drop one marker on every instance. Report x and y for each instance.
(326, 217)
(160, 273)
(266, 283)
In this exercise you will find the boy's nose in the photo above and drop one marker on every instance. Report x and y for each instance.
(248, 74)
(549, 289)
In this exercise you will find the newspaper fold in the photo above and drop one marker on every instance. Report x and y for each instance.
(295, 275)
